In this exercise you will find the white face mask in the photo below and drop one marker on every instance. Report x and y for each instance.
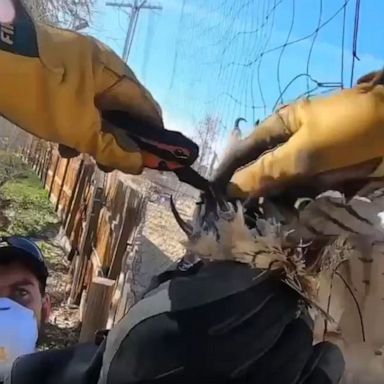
(18, 332)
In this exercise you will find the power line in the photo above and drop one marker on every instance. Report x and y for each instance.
(136, 7)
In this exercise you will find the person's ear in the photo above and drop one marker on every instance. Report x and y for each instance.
(46, 309)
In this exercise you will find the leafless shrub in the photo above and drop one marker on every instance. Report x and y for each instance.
(66, 13)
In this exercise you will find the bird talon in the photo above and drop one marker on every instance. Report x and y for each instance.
(210, 210)
(229, 214)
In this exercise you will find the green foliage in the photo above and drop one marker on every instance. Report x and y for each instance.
(29, 210)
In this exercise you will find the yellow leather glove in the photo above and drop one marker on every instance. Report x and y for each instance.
(66, 87)
(313, 137)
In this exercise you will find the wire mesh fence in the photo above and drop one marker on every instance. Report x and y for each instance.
(244, 57)
(235, 58)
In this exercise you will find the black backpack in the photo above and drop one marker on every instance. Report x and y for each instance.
(222, 322)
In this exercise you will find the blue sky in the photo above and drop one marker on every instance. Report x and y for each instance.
(220, 57)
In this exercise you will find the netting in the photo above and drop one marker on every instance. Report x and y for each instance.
(244, 57)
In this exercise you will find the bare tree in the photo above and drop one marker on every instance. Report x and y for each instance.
(207, 133)
(11, 137)
(66, 13)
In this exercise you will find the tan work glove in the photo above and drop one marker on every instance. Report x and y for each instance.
(319, 136)
(65, 87)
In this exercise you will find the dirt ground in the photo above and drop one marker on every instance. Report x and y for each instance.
(63, 328)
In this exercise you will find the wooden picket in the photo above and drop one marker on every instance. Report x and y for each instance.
(101, 218)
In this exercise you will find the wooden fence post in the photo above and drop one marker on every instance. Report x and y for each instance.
(62, 185)
(47, 165)
(90, 231)
(88, 237)
(53, 176)
(84, 179)
(30, 149)
(40, 162)
(132, 215)
(43, 161)
(73, 193)
(96, 312)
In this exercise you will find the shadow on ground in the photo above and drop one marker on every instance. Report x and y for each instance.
(48, 233)
(55, 336)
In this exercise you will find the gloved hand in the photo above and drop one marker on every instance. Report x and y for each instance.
(71, 89)
(334, 135)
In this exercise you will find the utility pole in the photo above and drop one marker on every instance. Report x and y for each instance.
(135, 8)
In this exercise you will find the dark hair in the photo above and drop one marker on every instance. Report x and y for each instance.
(10, 255)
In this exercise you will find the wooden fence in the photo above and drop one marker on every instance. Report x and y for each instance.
(101, 217)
